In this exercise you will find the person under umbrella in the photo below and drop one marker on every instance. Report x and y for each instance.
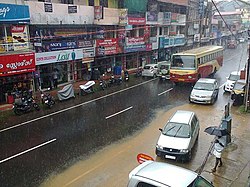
(219, 145)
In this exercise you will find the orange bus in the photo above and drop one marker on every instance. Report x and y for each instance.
(189, 66)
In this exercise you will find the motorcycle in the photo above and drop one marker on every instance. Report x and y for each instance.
(24, 105)
(47, 99)
(138, 72)
(114, 80)
(103, 84)
(126, 76)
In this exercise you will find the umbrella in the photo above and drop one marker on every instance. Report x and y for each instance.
(217, 131)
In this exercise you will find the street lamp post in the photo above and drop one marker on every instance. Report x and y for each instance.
(247, 74)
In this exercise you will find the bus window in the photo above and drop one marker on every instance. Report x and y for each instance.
(183, 62)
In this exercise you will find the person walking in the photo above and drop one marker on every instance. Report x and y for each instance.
(219, 146)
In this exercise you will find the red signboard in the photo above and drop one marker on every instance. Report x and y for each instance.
(17, 64)
(143, 157)
(136, 21)
(107, 46)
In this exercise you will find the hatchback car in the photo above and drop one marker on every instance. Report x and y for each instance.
(178, 137)
(163, 70)
(150, 70)
(205, 91)
(233, 77)
(152, 174)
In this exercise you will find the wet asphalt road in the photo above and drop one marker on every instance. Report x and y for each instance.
(32, 152)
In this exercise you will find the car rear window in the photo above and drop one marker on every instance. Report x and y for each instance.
(146, 67)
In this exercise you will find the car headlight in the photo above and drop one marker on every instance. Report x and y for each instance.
(159, 146)
(184, 151)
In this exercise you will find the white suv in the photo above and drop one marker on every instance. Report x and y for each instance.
(152, 174)
(150, 70)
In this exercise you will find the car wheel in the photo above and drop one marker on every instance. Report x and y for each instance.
(212, 101)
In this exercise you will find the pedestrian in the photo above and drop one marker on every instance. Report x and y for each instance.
(219, 145)
(55, 78)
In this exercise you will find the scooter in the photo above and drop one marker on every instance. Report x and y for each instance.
(47, 99)
(103, 84)
(87, 88)
(24, 105)
(126, 76)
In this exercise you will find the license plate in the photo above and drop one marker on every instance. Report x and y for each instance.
(170, 157)
(181, 79)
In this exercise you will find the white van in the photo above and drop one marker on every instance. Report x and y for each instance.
(160, 174)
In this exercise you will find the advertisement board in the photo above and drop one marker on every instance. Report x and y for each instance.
(98, 12)
(123, 16)
(136, 21)
(58, 56)
(107, 46)
(135, 44)
(14, 13)
(17, 64)
(20, 37)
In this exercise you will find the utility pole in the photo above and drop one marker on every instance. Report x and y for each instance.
(247, 69)
(201, 14)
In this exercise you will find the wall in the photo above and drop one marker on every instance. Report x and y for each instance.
(111, 17)
(84, 15)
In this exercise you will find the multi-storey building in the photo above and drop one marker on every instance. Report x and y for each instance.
(76, 37)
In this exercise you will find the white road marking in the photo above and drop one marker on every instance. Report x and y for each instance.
(165, 91)
(222, 85)
(129, 108)
(75, 106)
(31, 149)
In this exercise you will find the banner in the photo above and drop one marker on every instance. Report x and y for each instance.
(136, 21)
(107, 46)
(19, 37)
(14, 13)
(135, 44)
(58, 56)
(98, 12)
(123, 16)
(17, 64)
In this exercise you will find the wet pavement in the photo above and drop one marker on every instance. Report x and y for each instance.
(83, 137)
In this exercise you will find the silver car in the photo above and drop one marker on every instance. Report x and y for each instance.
(150, 70)
(160, 174)
(205, 91)
(178, 137)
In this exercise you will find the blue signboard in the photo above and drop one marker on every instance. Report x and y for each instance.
(165, 42)
(134, 48)
(14, 13)
(54, 46)
(179, 41)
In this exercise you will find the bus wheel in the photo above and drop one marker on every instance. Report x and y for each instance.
(199, 76)
(215, 70)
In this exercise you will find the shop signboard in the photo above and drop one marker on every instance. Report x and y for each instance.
(88, 52)
(166, 18)
(165, 42)
(123, 16)
(19, 37)
(55, 46)
(107, 46)
(14, 13)
(85, 43)
(136, 21)
(48, 7)
(58, 56)
(72, 9)
(17, 64)
(135, 44)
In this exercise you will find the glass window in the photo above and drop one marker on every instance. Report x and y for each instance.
(104, 3)
(177, 130)
(143, 184)
(183, 62)
(141, 32)
(153, 32)
(201, 182)
(91, 2)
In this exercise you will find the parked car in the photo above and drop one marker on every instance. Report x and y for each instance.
(178, 137)
(150, 70)
(163, 71)
(161, 174)
(241, 40)
(231, 79)
(205, 91)
(232, 44)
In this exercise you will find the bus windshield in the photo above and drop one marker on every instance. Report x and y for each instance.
(183, 62)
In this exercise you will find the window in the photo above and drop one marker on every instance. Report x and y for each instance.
(153, 32)
(143, 184)
(121, 4)
(141, 32)
(67, 1)
(104, 3)
(91, 2)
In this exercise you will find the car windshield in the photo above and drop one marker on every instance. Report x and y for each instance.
(183, 62)
(147, 67)
(204, 86)
(177, 130)
(233, 77)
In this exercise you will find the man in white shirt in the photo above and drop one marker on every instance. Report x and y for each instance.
(219, 145)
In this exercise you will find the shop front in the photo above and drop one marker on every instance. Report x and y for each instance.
(58, 67)
(16, 74)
